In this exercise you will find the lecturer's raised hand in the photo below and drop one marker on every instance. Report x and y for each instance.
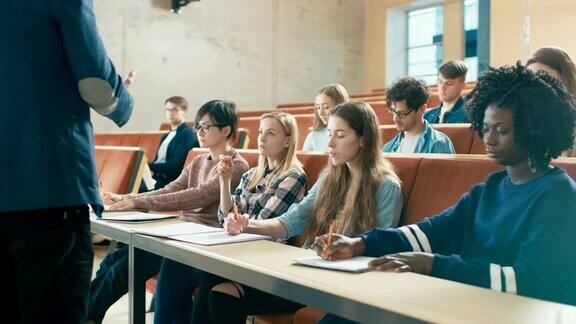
(129, 81)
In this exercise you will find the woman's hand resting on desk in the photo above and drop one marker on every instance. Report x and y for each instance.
(123, 205)
(418, 262)
(112, 198)
(235, 225)
(225, 167)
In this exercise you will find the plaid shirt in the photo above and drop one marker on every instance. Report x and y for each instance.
(268, 201)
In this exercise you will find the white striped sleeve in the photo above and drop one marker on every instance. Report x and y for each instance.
(509, 279)
(422, 238)
(499, 275)
(411, 238)
(495, 277)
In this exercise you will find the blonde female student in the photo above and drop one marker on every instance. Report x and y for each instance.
(326, 99)
(264, 192)
(358, 189)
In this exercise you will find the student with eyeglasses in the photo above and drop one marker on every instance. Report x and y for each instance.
(265, 192)
(174, 146)
(406, 101)
(328, 97)
(195, 194)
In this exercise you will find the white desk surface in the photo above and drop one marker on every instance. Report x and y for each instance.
(367, 297)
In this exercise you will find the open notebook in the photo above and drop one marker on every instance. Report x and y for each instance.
(355, 265)
(133, 216)
(216, 238)
(198, 234)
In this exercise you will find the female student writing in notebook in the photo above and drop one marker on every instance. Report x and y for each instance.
(326, 99)
(512, 233)
(264, 192)
(196, 193)
(358, 189)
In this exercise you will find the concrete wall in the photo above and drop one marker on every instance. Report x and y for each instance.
(255, 52)
(551, 23)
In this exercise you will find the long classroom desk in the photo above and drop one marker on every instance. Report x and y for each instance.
(123, 232)
(369, 297)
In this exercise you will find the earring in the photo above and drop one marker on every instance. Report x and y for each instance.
(531, 166)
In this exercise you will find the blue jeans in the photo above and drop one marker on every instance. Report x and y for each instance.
(174, 292)
(111, 281)
(46, 265)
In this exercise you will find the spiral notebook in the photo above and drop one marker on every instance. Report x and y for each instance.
(354, 265)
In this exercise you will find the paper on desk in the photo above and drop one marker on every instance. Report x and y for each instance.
(356, 264)
(131, 216)
(217, 238)
(177, 229)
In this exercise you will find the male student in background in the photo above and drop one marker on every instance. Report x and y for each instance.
(53, 65)
(407, 102)
(174, 146)
(451, 83)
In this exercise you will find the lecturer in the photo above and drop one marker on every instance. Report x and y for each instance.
(53, 68)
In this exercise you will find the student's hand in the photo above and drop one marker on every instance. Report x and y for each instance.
(418, 262)
(123, 205)
(342, 247)
(225, 167)
(129, 80)
(235, 225)
(112, 198)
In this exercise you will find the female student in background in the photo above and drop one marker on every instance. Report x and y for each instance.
(358, 189)
(328, 97)
(512, 233)
(556, 62)
(196, 193)
(264, 192)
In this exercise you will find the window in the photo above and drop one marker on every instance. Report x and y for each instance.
(425, 50)
(471, 31)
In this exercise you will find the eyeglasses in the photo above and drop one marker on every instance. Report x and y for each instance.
(204, 128)
(400, 114)
(175, 109)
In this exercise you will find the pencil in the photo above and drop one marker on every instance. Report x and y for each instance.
(235, 212)
(330, 231)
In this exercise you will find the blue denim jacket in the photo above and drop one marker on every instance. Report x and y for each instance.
(53, 68)
(430, 141)
(458, 114)
(389, 207)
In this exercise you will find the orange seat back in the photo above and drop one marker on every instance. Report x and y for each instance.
(433, 100)
(460, 135)
(150, 142)
(477, 146)
(406, 168)
(440, 182)
(121, 170)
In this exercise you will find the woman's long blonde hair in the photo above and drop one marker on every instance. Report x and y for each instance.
(288, 160)
(337, 93)
(352, 201)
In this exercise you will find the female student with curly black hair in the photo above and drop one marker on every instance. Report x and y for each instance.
(512, 232)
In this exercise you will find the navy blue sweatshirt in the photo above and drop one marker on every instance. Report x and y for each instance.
(511, 238)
